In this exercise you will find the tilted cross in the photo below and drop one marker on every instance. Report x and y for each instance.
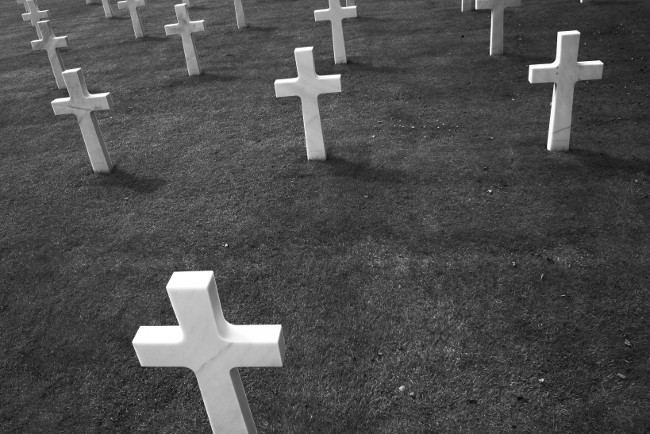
(565, 72)
(239, 14)
(335, 15)
(496, 26)
(34, 15)
(82, 104)
(308, 85)
(107, 9)
(185, 28)
(51, 44)
(211, 347)
(132, 6)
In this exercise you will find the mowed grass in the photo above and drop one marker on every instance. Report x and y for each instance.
(440, 247)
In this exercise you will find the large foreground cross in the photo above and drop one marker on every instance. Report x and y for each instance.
(308, 85)
(564, 72)
(335, 15)
(82, 104)
(211, 347)
(34, 15)
(496, 24)
(186, 29)
(51, 44)
(132, 6)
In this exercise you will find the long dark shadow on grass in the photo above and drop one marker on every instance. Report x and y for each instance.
(364, 172)
(355, 64)
(123, 179)
(253, 28)
(605, 163)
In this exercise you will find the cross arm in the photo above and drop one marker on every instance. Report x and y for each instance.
(258, 345)
(160, 346)
(591, 70)
(546, 73)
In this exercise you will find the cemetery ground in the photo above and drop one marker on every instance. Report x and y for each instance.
(440, 248)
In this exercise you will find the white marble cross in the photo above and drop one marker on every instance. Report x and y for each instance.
(211, 347)
(82, 104)
(51, 44)
(308, 85)
(565, 72)
(239, 14)
(132, 6)
(107, 9)
(466, 5)
(496, 28)
(34, 15)
(335, 15)
(186, 29)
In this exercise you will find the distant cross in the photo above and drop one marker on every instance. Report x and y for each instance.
(51, 44)
(24, 3)
(335, 15)
(107, 9)
(239, 14)
(564, 72)
(496, 29)
(34, 15)
(82, 104)
(186, 29)
(308, 85)
(211, 347)
(132, 6)
(466, 5)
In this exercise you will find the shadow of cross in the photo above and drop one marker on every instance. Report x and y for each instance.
(51, 44)
(211, 347)
(132, 6)
(335, 15)
(496, 21)
(82, 104)
(308, 85)
(565, 72)
(34, 15)
(185, 28)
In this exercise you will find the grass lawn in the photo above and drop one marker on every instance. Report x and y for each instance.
(440, 248)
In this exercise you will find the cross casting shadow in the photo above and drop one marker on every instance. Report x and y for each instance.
(358, 65)
(605, 164)
(363, 172)
(123, 179)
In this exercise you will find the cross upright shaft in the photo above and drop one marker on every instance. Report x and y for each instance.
(186, 29)
(496, 21)
(308, 85)
(565, 72)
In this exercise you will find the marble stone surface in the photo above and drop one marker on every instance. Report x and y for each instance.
(335, 15)
(108, 13)
(51, 44)
(186, 29)
(496, 26)
(308, 85)
(239, 14)
(34, 15)
(132, 6)
(565, 72)
(82, 104)
(211, 347)
(466, 5)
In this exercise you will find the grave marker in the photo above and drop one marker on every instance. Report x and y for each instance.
(132, 6)
(211, 347)
(335, 15)
(496, 25)
(108, 13)
(24, 3)
(34, 15)
(308, 85)
(186, 29)
(82, 104)
(51, 44)
(564, 73)
(239, 14)
(466, 5)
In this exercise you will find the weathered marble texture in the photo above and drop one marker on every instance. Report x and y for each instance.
(108, 13)
(308, 85)
(82, 104)
(51, 44)
(335, 15)
(466, 5)
(132, 6)
(496, 23)
(34, 15)
(185, 28)
(565, 72)
(211, 347)
(239, 14)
